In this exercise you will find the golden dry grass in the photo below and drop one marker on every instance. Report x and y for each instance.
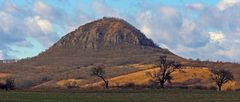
(59, 84)
(189, 77)
(70, 82)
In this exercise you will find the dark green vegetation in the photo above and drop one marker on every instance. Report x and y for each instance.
(146, 95)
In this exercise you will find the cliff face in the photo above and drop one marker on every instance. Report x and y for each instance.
(104, 33)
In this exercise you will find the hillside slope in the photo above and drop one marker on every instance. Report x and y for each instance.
(185, 78)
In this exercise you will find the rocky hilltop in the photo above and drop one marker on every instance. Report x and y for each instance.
(109, 41)
(104, 33)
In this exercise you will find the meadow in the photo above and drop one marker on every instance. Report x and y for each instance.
(125, 95)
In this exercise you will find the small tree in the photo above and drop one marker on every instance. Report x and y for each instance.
(99, 72)
(221, 77)
(166, 67)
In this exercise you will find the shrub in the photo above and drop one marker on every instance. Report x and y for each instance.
(9, 84)
(71, 85)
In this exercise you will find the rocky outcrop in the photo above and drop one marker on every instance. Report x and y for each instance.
(104, 33)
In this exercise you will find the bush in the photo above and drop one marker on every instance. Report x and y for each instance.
(9, 85)
(71, 85)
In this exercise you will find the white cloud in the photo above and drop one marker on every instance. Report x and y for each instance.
(34, 23)
(1, 55)
(162, 26)
(216, 36)
(181, 49)
(168, 11)
(156, 25)
(187, 36)
(41, 8)
(146, 30)
(229, 53)
(227, 3)
(9, 6)
(101, 8)
(188, 26)
(44, 24)
(144, 18)
(6, 21)
(40, 29)
(195, 6)
(233, 54)
(47, 11)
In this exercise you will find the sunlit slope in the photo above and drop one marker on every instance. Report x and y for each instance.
(197, 77)
(189, 77)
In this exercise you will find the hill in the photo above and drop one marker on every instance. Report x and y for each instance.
(109, 41)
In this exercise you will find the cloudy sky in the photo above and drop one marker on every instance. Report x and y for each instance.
(206, 29)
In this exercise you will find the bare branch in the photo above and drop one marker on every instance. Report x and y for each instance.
(99, 72)
(221, 77)
(166, 68)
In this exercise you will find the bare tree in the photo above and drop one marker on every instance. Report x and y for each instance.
(221, 77)
(167, 67)
(99, 72)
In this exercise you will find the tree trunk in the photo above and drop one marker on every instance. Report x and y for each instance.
(219, 87)
(105, 82)
(162, 84)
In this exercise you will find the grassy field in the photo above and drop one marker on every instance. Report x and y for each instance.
(146, 95)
